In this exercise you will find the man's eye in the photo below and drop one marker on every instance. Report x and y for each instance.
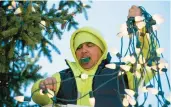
(79, 47)
(90, 44)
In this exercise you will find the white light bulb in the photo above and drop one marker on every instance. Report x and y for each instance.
(158, 18)
(123, 27)
(13, 3)
(161, 65)
(137, 74)
(50, 93)
(139, 18)
(33, 9)
(168, 98)
(155, 27)
(125, 102)
(17, 11)
(123, 30)
(41, 92)
(110, 66)
(84, 76)
(10, 7)
(132, 59)
(19, 98)
(43, 23)
(137, 50)
(130, 92)
(92, 101)
(144, 89)
(132, 101)
(148, 36)
(160, 50)
(126, 59)
(114, 51)
(138, 66)
(141, 25)
(154, 67)
(153, 90)
(141, 59)
(125, 67)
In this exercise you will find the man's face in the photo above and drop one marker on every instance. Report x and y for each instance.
(88, 50)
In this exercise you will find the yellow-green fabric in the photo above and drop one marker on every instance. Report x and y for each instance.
(83, 37)
(84, 86)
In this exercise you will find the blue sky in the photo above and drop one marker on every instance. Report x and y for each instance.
(107, 16)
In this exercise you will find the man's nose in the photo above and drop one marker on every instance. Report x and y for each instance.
(84, 49)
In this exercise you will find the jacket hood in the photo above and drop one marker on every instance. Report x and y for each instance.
(98, 35)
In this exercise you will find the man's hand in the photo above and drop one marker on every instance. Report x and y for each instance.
(48, 83)
(134, 11)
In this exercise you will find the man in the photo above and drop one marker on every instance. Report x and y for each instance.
(90, 53)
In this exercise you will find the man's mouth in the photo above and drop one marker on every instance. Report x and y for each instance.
(84, 60)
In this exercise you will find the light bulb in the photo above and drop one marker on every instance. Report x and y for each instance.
(132, 101)
(138, 66)
(137, 74)
(140, 25)
(19, 98)
(110, 66)
(84, 76)
(132, 59)
(130, 92)
(10, 7)
(153, 90)
(125, 67)
(123, 27)
(17, 11)
(50, 93)
(139, 18)
(148, 36)
(91, 99)
(141, 59)
(160, 50)
(41, 92)
(168, 98)
(158, 18)
(144, 89)
(43, 23)
(137, 50)
(123, 30)
(126, 59)
(13, 3)
(155, 27)
(125, 102)
(33, 9)
(114, 51)
(154, 67)
(161, 65)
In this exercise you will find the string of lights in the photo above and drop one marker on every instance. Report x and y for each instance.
(143, 67)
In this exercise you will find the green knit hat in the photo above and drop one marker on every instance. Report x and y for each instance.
(82, 37)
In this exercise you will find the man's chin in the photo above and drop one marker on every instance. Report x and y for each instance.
(86, 66)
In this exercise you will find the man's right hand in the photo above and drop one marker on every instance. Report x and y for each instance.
(48, 83)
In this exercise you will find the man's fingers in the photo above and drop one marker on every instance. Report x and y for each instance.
(49, 83)
(54, 84)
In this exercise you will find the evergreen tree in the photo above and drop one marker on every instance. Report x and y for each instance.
(26, 31)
